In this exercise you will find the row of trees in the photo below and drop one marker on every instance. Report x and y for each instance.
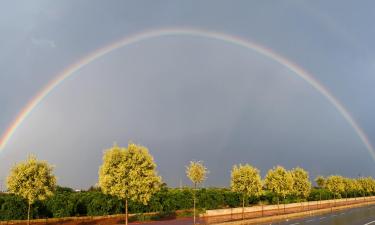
(130, 175)
(343, 186)
(246, 180)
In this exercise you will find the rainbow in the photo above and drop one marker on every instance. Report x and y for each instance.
(149, 34)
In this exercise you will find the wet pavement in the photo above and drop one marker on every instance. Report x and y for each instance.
(355, 216)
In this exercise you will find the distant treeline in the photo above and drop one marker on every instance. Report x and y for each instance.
(66, 203)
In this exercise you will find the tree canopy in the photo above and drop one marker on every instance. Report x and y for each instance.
(196, 172)
(335, 184)
(246, 180)
(301, 182)
(279, 181)
(320, 181)
(129, 173)
(32, 180)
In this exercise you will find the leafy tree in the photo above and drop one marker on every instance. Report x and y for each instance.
(357, 188)
(320, 181)
(130, 174)
(366, 185)
(279, 181)
(301, 182)
(197, 173)
(246, 180)
(349, 186)
(335, 184)
(32, 180)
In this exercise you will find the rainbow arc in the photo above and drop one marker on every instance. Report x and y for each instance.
(146, 35)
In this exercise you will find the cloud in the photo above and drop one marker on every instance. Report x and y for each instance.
(42, 42)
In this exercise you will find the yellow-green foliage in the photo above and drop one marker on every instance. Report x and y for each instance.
(32, 180)
(301, 182)
(320, 181)
(349, 185)
(129, 173)
(279, 181)
(246, 180)
(335, 184)
(196, 172)
(367, 184)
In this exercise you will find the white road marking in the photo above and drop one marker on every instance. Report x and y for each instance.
(294, 224)
(308, 221)
(322, 218)
(369, 222)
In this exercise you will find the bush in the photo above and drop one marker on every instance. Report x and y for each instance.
(61, 205)
(165, 202)
(231, 199)
(319, 193)
(102, 204)
(210, 198)
(12, 208)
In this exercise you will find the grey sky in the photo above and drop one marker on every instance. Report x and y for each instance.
(187, 97)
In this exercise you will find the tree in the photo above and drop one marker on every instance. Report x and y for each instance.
(197, 173)
(357, 188)
(320, 181)
(349, 186)
(130, 174)
(32, 180)
(279, 181)
(301, 182)
(336, 185)
(246, 180)
(366, 185)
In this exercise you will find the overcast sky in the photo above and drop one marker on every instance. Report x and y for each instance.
(189, 98)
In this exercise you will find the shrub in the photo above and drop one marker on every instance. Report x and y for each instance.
(12, 208)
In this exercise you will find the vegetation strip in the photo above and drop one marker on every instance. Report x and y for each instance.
(129, 182)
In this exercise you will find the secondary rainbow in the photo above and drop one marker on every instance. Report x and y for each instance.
(69, 71)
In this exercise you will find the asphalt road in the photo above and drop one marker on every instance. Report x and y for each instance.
(356, 216)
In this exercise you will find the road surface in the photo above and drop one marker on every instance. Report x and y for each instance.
(355, 216)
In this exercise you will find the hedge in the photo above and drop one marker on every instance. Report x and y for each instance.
(66, 203)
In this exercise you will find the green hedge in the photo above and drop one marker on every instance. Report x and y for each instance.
(66, 202)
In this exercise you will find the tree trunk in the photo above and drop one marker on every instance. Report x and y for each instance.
(278, 206)
(243, 207)
(28, 214)
(320, 197)
(346, 198)
(284, 204)
(364, 196)
(126, 211)
(195, 189)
